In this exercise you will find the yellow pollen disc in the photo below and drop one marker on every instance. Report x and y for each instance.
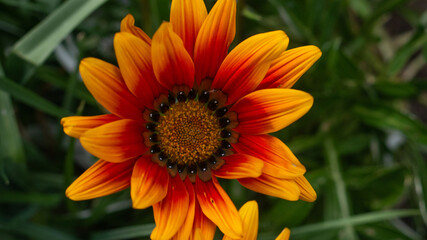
(189, 133)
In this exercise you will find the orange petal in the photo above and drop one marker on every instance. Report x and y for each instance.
(185, 231)
(218, 207)
(75, 126)
(116, 141)
(203, 228)
(246, 65)
(265, 184)
(171, 212)
(269, 110)
(171, 62)
(249, 214)
(279, 161)
(105, 82)
(240, 166)
(101, 179)
(186, 18)
(307, 192)
(128, 25)
(149, 183)
(290, 66)
(214, 38)
(134, 58)
(284, 235)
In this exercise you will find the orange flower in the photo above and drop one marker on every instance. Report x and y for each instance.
(184, 111)
(249, 215)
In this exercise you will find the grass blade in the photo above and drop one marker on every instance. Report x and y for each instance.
(39, 232)
(29, 97)
(12, 150)
(344, 209)
(124, 233)
(39, 43)
(420, 179)
(354, 220)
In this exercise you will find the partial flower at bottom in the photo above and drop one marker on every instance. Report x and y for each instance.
(249, 215)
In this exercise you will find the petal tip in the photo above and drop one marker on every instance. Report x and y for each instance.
(307, 192)
(315, 51)
(73, 194)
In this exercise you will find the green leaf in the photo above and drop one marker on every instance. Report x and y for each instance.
(386, 231)
(380, 187)
(387, 118)
(159, 12)
(354, 220)
(353, 144)
(287, 213)
(385, 6)
(341, 193)
(54, 77)
(251, 14)
(419, 166)
(39, 43)
(39, 232)
(26, 5)
(405, 52)
(12, 154)
(362, 7)
(27, 96)
(302, 143)
(41, 199)
(396, 90)
(124, 233)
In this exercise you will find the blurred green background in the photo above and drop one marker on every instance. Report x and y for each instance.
(364, 142)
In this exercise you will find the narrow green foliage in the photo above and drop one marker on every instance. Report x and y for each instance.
(29, 97)
(354, 220)
(124, 233)
(39, 43)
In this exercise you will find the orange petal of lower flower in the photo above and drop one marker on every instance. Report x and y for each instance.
(284, 235)
(290, 66)
(218, 207)
(186, 18)
(265, 184)
(240, 166)
(246, 65)
(214, 38)
(185, 231)
(249, 214)
(101, 179)
(128, 25)
(75, 126)
(116, 141)
(134, 58)
(307, 192)
(171, 62)
(279, 161)
(203, 227)
(104, 81)
(171, 212)
(269, 110)
(149, 183)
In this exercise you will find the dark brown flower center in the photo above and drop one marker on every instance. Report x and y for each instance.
(189, 132)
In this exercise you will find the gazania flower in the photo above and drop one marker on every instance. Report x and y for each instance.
(185, 112)
(249, 215)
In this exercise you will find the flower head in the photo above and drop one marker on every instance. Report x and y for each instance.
(184, 112)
